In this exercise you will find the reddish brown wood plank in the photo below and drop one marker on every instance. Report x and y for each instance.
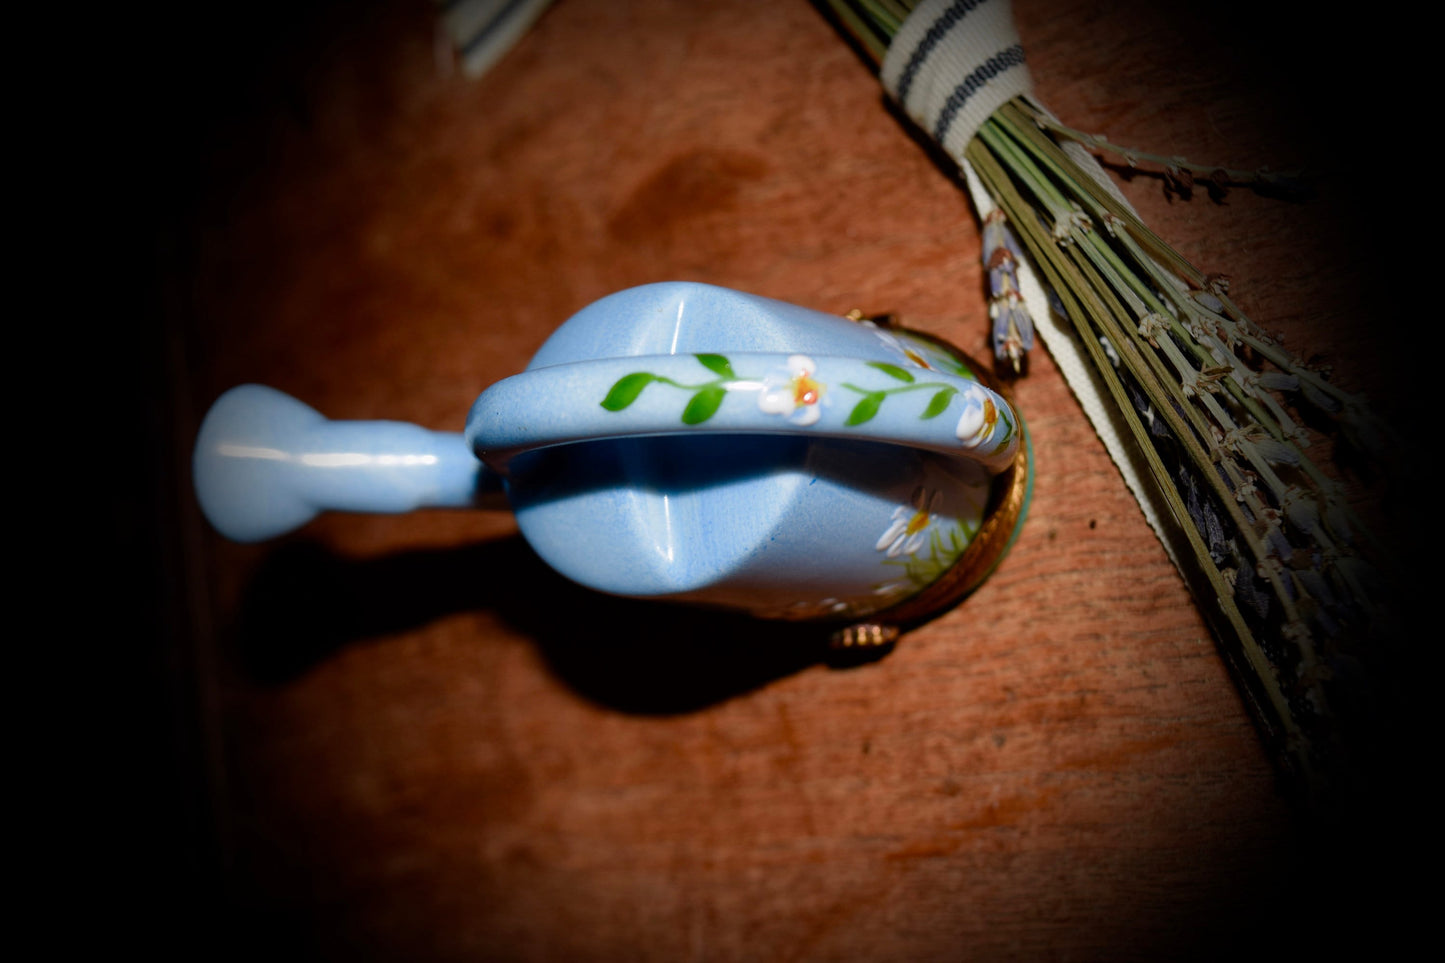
(432, 748)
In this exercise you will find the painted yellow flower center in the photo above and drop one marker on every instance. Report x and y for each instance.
(806, 391)
(990, 413)
(917, 523)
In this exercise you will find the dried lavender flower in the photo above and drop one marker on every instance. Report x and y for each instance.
(1206, 396)
(1013, 326)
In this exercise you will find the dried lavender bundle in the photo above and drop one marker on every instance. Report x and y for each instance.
(1276, 558)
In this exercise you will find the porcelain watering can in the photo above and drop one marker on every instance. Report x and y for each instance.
(684, 442)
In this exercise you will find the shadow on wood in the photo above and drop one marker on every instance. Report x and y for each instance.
(305, 603)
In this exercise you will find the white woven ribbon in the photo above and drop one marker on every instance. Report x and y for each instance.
(954, 62)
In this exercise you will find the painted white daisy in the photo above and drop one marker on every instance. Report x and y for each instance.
(978, 417)
(795, 394)
(908, 352)
(908, 531)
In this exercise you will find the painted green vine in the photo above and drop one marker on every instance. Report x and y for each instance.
(867, 407)
(706, 399)
(797, 394)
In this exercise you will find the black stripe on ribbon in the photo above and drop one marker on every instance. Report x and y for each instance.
(945, 22)
(973, 83)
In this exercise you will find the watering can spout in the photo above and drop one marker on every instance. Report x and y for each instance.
(265, 463)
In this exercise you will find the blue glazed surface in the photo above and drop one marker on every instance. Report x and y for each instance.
(676, 440)
(776, 506)
(682, 317)
(565, 403)
(264, 463)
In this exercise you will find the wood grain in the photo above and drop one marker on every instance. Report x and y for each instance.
(420, 744)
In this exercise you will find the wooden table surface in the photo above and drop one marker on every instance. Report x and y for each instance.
(407, 739)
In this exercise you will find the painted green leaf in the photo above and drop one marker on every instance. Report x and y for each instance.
(717, 363)
(1008, 425)
(957, 367)
(865, 409)
(627, 389)
(1006, 435)
(703, 405)
(938, 403)
(892, 370)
